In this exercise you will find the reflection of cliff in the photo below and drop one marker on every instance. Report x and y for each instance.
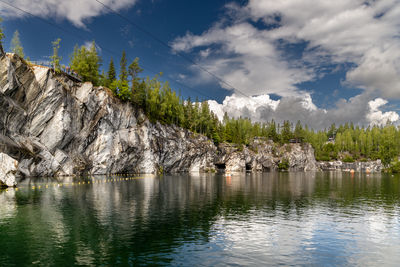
(125, 222)
(8, 206)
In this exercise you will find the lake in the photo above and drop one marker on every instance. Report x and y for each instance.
(315, 219)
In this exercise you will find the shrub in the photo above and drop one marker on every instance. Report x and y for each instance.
(394, 167)
(348, 159)
(323, 158)
(283, 165)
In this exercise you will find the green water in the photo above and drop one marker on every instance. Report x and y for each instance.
(327, 219)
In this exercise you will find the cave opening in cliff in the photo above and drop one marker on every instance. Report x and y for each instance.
(220, 166)
(248, 167)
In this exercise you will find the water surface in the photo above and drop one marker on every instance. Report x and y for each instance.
(315, 219)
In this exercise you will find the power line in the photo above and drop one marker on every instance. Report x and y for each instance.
(170, 47)
(111, 52)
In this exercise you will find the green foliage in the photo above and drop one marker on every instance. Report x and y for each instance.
(55, 58)
(162, 104)
(286, 133)
(299, 133)
(111, 74)
(122, 90)
(348, 159)
(133, 71)
(86, 63)
(123, 73)
(327, 152)
(283, 165)
(16, 46)
(1, 32)
(394, 167)
(388, 148)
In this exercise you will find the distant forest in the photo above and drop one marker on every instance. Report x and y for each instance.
(160, 103)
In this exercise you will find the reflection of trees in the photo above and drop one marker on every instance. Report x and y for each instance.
(125, 222)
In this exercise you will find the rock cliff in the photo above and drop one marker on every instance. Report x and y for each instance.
(263, 155)
(53, 126)
(369, 166)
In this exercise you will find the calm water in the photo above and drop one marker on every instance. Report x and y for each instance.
(205, 220)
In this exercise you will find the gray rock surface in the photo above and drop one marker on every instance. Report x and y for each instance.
(265, 156)
(8, 170)
(54, 126)
(369, 166)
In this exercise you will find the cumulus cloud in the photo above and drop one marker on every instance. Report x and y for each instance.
(76, 11)
(254, 58)
(359, 109)
(246, 59)
(376, 116)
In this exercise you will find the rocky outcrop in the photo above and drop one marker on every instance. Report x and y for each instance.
(369, 166)
(54, 126)
(263, 155)
(8, 170)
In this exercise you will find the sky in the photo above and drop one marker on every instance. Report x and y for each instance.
(317, 61)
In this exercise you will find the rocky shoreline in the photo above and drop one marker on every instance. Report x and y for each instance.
(358, 166)
(53, 126)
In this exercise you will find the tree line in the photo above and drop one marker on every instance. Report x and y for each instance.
(160, 103)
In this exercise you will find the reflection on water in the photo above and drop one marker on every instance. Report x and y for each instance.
(257, 219)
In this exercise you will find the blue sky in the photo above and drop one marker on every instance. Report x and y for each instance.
(318, 61)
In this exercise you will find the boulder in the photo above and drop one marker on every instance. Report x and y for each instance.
(8, 169)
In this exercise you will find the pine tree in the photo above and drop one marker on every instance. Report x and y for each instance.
(272, 133)
(111, 74)
(388, 148)
(86, 63)
(55, 58)
(16, 46)
(298, 132)
(286, 133)
(133, 71)
(332, 131)
(123, 73)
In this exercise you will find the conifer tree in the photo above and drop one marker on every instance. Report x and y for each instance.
(123, 73)
(16, 46)
(103, 79)
(55, 58)
(133, 71)
(86, 63)
(298, 132)
(122, 86)
(111, 74)
(286, 133)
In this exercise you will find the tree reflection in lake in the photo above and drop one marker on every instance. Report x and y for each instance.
(246, 219)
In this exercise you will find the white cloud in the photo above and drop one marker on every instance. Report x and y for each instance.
(205, 53)
(359, 109)
(247, 59)
(376, 116)
(76, 11)
(254, 60)
(88, 45)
